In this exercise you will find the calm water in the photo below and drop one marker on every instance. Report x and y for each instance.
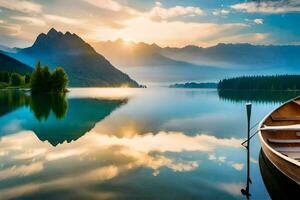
(130, 144)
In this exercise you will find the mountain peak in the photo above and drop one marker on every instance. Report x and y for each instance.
(53, 32)
(57, 41)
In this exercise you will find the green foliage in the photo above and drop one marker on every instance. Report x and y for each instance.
(5, 77)
(59, 80)
(277, 82)
(3, 85)
(43, 81)
(27, 78)
(16, 79)
(36, 81)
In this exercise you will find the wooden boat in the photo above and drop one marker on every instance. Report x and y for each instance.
(278, 185)
(279, 134)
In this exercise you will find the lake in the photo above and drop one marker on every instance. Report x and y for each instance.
(131, 144)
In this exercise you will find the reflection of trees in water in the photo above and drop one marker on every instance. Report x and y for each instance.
(82, 114)
(40, 105)
(258, 96)
(11, 100)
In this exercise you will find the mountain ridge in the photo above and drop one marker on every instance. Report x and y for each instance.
(9, 64)
(228, 55)
(84, 66)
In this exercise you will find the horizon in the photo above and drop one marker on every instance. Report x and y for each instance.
(196, 23)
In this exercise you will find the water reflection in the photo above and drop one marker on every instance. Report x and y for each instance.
(11, 100)
(40, 105)
(257, 96)
(56, 119)
(97, 163)
(180, 144)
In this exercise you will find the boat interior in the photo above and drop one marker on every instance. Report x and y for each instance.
(281, 130)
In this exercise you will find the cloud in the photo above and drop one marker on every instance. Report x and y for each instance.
(105, 4)
(143, 29)
(159, 13)
(270, 7)
(64, 20)
(220, 12)
(30, 20)
(258, 21)
(238, 166)
(21, 6)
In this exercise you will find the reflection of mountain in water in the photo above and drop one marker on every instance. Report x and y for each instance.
(81, 117)
(58, 119)
(257, 96)
(278, 185)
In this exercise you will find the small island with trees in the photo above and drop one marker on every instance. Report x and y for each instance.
(271, 83)
(44, 81)
(41, 80)
(194, 85)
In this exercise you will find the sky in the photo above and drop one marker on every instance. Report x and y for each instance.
(174, 23)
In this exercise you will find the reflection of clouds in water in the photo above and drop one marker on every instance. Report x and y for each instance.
(222, 159)
(81, 158)
(238, 166)
(170, 141)
(22, 170)
(13, 126)
(103, 93)
(30, 153)
(253, 160)
(232, 188)
(64, 154)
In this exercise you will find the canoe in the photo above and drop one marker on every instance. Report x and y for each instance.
(278, 185)
(279, 134)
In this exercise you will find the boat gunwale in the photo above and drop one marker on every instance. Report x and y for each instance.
(286, 158)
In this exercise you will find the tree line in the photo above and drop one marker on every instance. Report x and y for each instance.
(274, 82)
(42, 80)
(13, 79)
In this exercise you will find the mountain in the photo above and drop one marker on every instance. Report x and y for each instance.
(242, 56)
(84, 66)
(10, 64)
(130, 54)
(235, 56)
(7, 49)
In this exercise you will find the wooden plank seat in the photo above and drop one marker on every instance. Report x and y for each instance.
(285, 118)
(294, 127)
(282, 141)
